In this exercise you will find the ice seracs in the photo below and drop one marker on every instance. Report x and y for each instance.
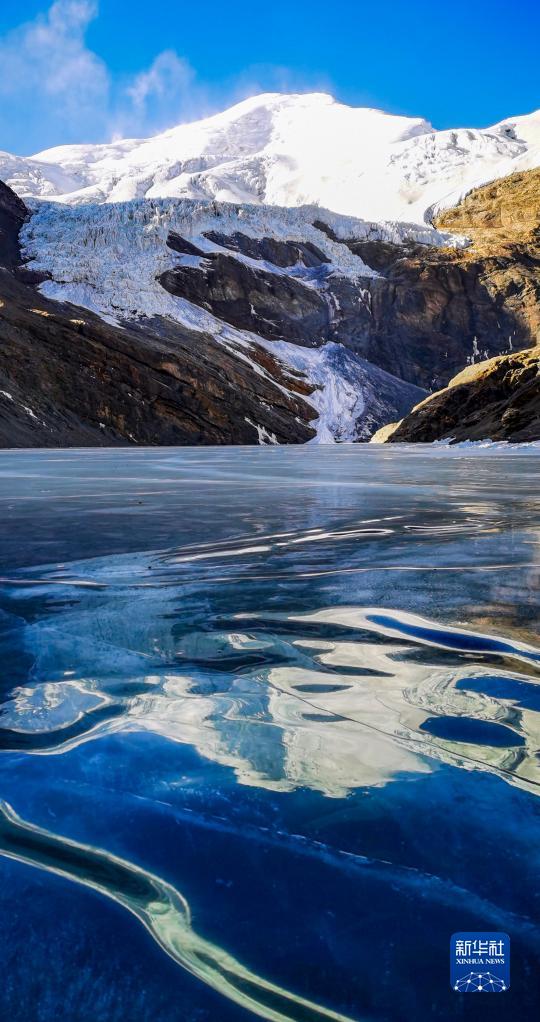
(108, 258)
(288, 150)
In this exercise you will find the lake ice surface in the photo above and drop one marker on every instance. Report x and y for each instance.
(280, 706)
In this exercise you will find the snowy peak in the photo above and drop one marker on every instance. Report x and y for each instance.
(288, 150)
(253, 124)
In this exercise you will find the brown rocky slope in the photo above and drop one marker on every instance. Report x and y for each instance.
(498, 398)
(68, 378)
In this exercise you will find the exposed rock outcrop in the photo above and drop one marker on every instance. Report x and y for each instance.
(497, 400)
(433, 310)
(272, 250)
(272, 305)
(13, 213)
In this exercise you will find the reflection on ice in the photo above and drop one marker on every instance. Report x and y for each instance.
(256, 675)
(280, 705)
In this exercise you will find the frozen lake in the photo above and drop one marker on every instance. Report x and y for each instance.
(270, 731)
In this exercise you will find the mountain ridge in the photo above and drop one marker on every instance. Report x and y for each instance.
(289, 150)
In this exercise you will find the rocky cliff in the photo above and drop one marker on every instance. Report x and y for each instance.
(68, 378)
(435, 309)
(498, 398)
(183, 322)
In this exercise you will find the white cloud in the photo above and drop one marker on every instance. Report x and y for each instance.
(48, 72)
(65, 91)
(168, 74)
(54, 88)
(164, 94)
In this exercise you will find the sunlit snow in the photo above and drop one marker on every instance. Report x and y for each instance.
(289, 150)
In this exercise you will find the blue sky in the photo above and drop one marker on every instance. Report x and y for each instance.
(92, 70)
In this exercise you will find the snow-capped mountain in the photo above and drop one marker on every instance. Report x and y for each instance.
(271, 274)
(288, 150)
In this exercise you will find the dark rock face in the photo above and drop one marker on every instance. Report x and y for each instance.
(383, 255)
(275, 306)
(67, 378)
(182, 245)
(497, 400)
(427, 314)
(13, 213)
(271, 250)
(497, 293)
(431, 310)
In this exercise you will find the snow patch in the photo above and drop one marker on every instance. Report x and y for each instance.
(264, 435)
(352, 396)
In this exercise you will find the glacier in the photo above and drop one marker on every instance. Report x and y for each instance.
(109, 259)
